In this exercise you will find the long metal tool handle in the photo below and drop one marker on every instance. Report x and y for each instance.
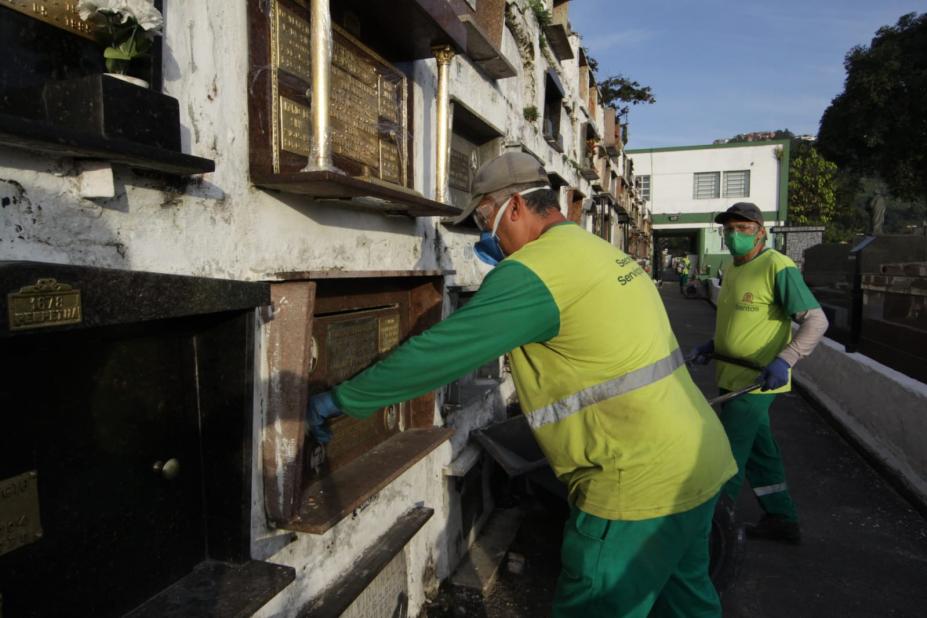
(734, 394)
(736, 361)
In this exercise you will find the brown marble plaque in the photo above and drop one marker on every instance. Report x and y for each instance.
(368, 100)
(60, 13)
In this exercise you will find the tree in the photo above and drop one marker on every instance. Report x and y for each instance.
(625, 90)
(878, 125)
(812, 185)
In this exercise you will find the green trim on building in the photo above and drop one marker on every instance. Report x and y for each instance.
(784, 182)
(704, 217)
(772, 142)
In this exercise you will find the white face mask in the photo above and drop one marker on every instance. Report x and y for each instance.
(488, 248)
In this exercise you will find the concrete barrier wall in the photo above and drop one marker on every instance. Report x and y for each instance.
(884, 410)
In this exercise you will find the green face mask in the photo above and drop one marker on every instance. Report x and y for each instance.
(740, 244)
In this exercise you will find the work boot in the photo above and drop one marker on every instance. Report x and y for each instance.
(774, 527)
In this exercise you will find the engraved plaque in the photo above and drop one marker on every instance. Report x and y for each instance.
(19, 512)
(389, 333)
(351, 346)
(367, 102)
(60, 13)
(292, 44)
(459, 177)
(47, 303)
(294, 127)
(354, 106)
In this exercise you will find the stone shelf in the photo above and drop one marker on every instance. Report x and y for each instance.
(219, 589)
(44, 137)
(559, 39)
(329, 500)
(387, 198)
(336, 599)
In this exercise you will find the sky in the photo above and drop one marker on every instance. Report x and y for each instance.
(721, 67)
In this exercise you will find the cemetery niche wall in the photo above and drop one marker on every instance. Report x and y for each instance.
(370, 112)
(125, 452)
(55, 97)
(327, 327)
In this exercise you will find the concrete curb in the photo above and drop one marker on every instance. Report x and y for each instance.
(882, 412)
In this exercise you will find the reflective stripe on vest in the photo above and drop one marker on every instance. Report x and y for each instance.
(626, 383)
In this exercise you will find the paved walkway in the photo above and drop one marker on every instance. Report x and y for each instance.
(865, 549)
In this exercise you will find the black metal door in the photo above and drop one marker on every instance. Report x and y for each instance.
(109, 422)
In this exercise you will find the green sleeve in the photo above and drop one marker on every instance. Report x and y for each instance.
(513, 307)
(792, 292)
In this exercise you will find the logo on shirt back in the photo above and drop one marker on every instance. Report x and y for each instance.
(748, 297)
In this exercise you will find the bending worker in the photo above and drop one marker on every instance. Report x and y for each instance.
(604, 388)
(762, 290)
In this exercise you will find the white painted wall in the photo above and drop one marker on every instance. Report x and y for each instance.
(672, 176)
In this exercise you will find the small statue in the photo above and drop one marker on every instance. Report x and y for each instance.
(876, 208)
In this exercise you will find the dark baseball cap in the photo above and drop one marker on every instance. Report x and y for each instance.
(507, 170)
(745, 211)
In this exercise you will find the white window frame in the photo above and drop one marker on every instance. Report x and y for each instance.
(745, 184)
(716, 181)
(643, 186)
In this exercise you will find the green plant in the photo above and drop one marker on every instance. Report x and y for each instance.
(625, 90)
(531, 113)
(541, 13)
(127, 26)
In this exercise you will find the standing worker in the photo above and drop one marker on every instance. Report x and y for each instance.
(610, 401)
(684, 265)
(761, 291)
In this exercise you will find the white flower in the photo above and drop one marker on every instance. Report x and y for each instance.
(142, 11)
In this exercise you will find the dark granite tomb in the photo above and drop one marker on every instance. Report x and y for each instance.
(127, 415)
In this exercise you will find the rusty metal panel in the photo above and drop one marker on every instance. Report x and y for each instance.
(288, 356)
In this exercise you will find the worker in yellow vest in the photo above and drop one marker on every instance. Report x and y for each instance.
(610, 401)
(762, 293)
(684, 265)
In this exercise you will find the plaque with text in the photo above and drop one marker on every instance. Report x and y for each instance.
(369, 105)
(47, 303)
(19, 512)
(60, 13)
(346, 344)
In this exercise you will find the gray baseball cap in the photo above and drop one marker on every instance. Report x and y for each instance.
(747, 211)
(510, 169)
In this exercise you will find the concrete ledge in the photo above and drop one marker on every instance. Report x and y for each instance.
(882, 410)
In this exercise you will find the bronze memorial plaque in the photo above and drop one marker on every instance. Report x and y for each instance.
(294, 127)
(349, 343)
(47, 303)
(352, 346)
(60, 13)
(368, 100)
(19, 512)
(291, 45)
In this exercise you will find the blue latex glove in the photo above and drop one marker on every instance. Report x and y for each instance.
(775, 375)
(701, 355)
(321, 408)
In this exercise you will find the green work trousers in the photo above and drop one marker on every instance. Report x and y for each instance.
(746, 421)
(683, 280)
(632, 569)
